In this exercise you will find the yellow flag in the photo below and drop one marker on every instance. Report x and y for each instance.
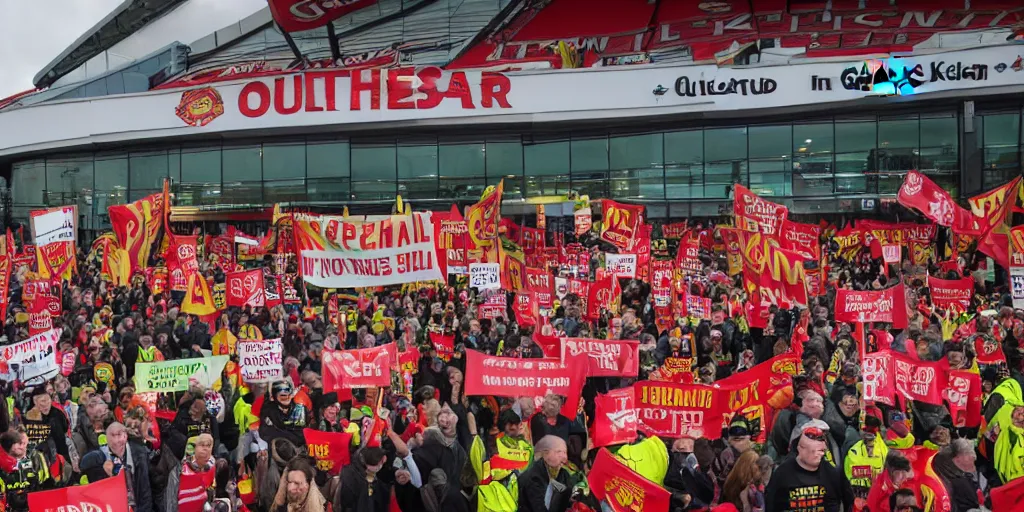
(198, 300)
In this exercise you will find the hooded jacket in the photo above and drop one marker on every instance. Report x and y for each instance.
(355, 494)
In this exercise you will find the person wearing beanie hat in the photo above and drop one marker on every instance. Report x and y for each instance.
(738, 437)
(863, 463)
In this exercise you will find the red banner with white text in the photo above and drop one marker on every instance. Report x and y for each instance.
(108, 495)
(246, 289)
(889, 305)
(605, 358)
(951, 293)
(360, 368)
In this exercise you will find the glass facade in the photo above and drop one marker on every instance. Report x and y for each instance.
(820, 158)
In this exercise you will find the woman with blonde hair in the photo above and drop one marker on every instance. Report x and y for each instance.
(741, 486)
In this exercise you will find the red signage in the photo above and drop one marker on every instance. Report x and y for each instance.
(109, 494)
(624, 33)
(246, 289)
(362, 368)
(298, 15)
(951, 293)
(393, 89)
(605, 358)
(889, 305)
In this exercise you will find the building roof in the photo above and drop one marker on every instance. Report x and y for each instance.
(122, 22)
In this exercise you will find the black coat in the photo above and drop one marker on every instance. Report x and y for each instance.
(353, 495)
(92, 467)
(962, 487)
(451, 460)
(533, 485)
(680, 479)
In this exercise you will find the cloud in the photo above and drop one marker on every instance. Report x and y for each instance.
(33, 35)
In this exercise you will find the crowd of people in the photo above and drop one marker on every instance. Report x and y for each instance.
(429, 446)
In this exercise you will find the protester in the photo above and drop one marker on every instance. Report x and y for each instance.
(120, 455)
(709, 374)
(21, 471)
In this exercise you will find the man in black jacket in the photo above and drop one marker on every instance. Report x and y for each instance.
(121, 455)
(685, 477)
(548, 472)
(955, 464)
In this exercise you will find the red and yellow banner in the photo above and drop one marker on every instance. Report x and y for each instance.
(137, 226)
(483, 217)
(620, 222)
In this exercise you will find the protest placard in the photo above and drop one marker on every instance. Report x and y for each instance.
(260, 360)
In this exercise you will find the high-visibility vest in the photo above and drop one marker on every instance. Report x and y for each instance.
(861, 468)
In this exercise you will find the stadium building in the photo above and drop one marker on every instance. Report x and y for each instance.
(821, 105)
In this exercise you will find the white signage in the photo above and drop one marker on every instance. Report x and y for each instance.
(55, 225)
(621, 265)
(485, 276)
(34, 359)
(260, 360)
(322, 98)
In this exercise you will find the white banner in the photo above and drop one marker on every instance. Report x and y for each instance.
(1017, 286)
(891, 253)
(376, 252)
(620, 265)
(485, 276)
(34, 359)
(260, 360)
(54, 225)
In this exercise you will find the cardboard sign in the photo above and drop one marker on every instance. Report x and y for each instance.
(260, 360)
(166, 376)
(485, 276)
(891, 253)
(621, 265)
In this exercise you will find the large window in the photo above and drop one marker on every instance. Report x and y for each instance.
(1001, 135)
(817, 158)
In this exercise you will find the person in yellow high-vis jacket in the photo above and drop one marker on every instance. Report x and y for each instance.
(864, 462)
(497, 468)
(1008, 455)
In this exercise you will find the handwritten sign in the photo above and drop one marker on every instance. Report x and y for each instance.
(621, 265)
(260, 360)
(164, 376)
(485, 276)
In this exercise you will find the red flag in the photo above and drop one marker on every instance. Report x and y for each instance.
(604, 358)
(330, 449)
(756, 214)
(109, 495)
(963, 395)
(513, 376)
(951, 293)
(620, 222)
(623, 489)
(675, 410)
(802, 239)
(482, 218)
(136, 226)
(924, 195)
(526, 308)
(604, 293)
(246, 289)
(361, 368)
(889, 305)
(443, 344)
(989, 353)
(1009, 496)
(614, 418)
(5, 283)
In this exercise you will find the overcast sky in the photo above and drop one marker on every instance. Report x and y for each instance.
(33, 33)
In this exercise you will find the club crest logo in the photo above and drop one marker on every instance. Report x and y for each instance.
(199, 107)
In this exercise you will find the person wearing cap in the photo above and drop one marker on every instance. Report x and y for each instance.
(506, 454)
(738, 436)
(281, 416)
(863, 462)
(896, 473)
(806, 481)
